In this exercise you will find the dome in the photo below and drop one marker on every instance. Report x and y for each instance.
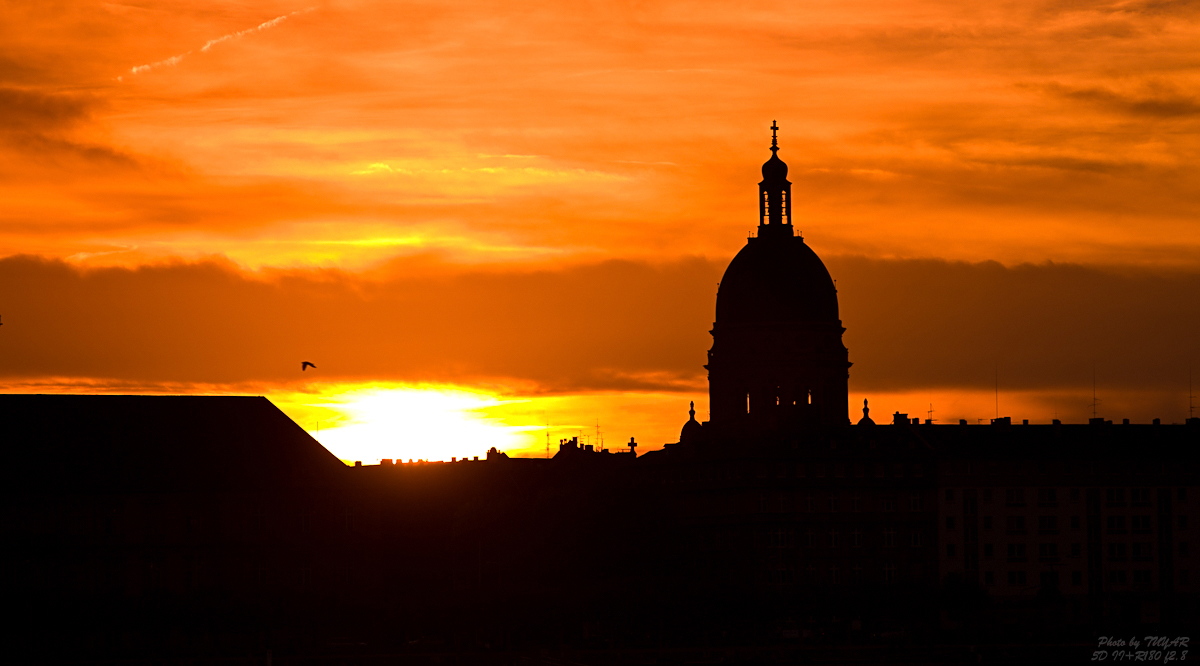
(774, 169)
(776, 280)
(693, 430)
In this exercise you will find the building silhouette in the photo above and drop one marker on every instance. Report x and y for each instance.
(777, 362)
(214, 528)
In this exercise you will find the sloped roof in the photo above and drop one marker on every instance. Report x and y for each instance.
(138, 443)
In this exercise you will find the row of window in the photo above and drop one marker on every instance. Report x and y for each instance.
(1143, 524)
(1049, 496)
(832, 503)
(1119, 577)
(780, 538)
(836, 575)
(1117, 552)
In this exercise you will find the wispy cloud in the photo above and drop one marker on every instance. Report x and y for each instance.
(176, 59)
(258, 28)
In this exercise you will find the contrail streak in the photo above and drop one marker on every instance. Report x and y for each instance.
(174, 60)
(261, 26)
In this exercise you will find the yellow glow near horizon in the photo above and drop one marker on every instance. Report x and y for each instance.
(369, 421)
(419, 423)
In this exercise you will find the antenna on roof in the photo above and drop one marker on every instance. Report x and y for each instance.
(547, 438)
(1191, 408)
(997, 389)
(1094, 400)
(930, 412)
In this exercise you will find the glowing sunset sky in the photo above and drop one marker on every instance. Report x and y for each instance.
(479, 219)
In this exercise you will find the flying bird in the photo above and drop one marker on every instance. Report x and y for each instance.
(305, 365)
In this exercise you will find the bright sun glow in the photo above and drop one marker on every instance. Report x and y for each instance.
(412, 423)
(368, 421)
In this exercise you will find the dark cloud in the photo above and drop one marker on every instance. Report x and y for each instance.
(933, 323)
(1156, 102)
(615, 325)
(31, 110)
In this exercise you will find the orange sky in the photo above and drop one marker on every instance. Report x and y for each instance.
(533, 202)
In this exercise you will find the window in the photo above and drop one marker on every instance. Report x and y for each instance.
(1183, 549)
(949, 494)
(808, 503)
(835, 575)
(1181, 495)
(1074, 522)
(914, 502)
(916, 539)
(1047, 551)
(1116, 524)
(889, 505)
(1116, 552)
(1015, 524)
(1141, 577)
(856, 538)
(1047, 497)
(950, 523)
(889, 537)
(989, 578)
(1139, 524)
(1139, 496)
(1076, 549)
(820, 471)
(889, 573)
(918, 470)
(1183, 522)
(1141, 552)
(1116, 577)
(1016, 552)
(1047, 524)
(1077, 578)
(808, 539)
(1183, 576)
(833, 539)
(839, 470)
(855, 502)
(1016, 578)
(1074, 494)
(832, 504)
(949, 550)
(1014, 497)
(988, 550)
(987, 522)
(1115, 496)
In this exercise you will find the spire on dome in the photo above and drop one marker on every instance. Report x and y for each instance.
(774, 194)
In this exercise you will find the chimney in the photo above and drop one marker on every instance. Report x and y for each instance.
(899, 419)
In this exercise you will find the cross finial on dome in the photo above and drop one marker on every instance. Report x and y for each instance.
(774, 136)
(692, 410)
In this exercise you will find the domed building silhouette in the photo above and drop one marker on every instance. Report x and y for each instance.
(777, 364)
